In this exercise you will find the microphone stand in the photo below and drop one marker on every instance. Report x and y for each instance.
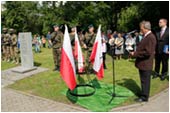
(113, 92)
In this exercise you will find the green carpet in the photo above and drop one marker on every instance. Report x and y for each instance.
(99, 102)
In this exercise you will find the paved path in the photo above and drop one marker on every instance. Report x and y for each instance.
(16, 101)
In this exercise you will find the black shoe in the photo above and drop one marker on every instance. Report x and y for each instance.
(56, 68)
(155, 76)
(163, 77)
(141, 100)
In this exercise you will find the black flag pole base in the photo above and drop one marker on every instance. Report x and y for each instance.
(85, 94)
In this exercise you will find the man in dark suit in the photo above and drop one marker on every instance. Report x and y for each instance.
(144, 59)
(161, 55)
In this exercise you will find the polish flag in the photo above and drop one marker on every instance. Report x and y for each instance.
(78, 54)
(96, 57)
(67, 64)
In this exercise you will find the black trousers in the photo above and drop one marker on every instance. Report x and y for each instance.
(145, 77)
(104, 59)
(161, 58)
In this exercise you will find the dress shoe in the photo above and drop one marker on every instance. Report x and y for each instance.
(141, 100)
(154, 76)
(58, 69)
(55, 69)
(163, 77)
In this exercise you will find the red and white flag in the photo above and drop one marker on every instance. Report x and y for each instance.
(78, 54)
(96, 56)
(67, 64)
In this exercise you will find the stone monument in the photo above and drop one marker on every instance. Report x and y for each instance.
(27, 62)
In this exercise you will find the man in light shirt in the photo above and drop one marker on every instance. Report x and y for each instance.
(161, 55)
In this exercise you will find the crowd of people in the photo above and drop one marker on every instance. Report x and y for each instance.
(40, 41)
(143, 45)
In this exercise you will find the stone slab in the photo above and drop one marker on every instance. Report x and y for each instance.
(21, 69)
(9, 76)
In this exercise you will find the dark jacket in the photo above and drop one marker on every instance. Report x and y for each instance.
(145, 52)
(161, 41)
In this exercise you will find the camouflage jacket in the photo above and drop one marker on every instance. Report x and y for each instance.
(14, 40)
(7, 39)
(89, 40)
(72, 39)
(57, 39)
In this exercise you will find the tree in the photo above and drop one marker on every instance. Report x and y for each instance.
(39, 17)
(20, 15)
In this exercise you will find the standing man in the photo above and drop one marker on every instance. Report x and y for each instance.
(3, 46)
(14, 48)
(13, 45)
(144, 59)
(57, 40)
(104, 48)
(49, 39)
(7, 42)
(72, 36)
(161, 55)
(89, 39)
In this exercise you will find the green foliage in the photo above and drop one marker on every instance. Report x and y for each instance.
(127, 16)
(38, 17)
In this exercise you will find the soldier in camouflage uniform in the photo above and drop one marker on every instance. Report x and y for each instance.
(72, 36)
(3, 47)
(13, 47)
(10, 31)
(7, 42)
(88, 41)
(57, 41)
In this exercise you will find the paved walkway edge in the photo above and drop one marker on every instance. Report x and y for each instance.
(45, 99)
(138, 104)
(123, 108)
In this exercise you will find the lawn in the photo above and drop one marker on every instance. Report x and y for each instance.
(49, 84)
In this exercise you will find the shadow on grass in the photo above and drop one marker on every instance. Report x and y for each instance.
(72, 98)
(77, 91)
(37, 64)
(95, 83)
(131, 85)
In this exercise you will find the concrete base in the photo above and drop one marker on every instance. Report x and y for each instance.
(21, 69)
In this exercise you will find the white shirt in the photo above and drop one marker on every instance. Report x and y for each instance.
(103, 45)
(129, 42)
(163, 30)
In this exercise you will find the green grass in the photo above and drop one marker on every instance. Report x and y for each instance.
(50, 85)
(7, 65)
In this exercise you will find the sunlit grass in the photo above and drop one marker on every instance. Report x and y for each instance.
(50, 85)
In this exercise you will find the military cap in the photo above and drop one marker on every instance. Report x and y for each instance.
(11, 30)
(90, 26)
(4, 29)
(55, 25)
